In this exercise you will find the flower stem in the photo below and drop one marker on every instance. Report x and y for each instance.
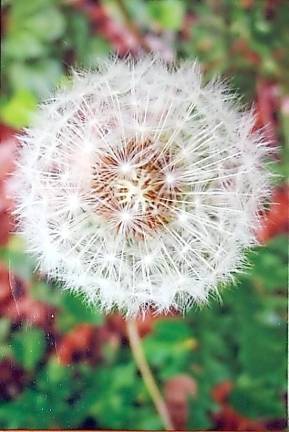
(146, 373)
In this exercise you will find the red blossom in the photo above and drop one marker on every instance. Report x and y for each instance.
(84, 343)
(177, 392)
(17, 304)
(227, 418)
(276, 221)
(267, 107)
(12, 378)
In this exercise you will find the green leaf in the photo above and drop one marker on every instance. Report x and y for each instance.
(40, 78)
(47, 293)
(16, 259)
(21, 10)
(198, 417)
(18, 110)
(168, 14)
(55, 372)
(23, 45)
(261, 354)
(5, 349)
(172, 330)
(28, 346)
(96, 48)
(48, 24)
(78, 34)
(75, 311)
(257, 401)
(269, 266)
(119, 387)
(168, 347)
(4, 328)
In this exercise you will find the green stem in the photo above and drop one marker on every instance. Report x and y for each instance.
(146, 373)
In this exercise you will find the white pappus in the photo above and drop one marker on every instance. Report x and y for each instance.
(138, 186)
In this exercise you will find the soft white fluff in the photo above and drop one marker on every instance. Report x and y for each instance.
(85, 218)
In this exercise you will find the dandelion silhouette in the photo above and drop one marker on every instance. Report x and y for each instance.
(138, 185)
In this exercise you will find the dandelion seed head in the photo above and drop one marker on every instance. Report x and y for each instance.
(139, 186)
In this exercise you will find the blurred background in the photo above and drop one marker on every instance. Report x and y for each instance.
(223, 367)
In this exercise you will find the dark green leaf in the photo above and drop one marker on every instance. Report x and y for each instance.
(28, 346)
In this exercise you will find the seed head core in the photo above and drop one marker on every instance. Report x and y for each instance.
(132, 186)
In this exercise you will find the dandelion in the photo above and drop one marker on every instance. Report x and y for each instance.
(139, 185)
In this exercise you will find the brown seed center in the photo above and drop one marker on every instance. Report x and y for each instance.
(133, 188)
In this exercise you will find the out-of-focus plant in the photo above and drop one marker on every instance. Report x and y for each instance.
(68, 385)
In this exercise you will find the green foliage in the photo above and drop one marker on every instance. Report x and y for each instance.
(28, 346)
(260, 311)
(168, 348)
(257, 401)
(19, 109)
(75, 311)
(241, 340)
(62, 397)
(40, 34)
(5, 348)
(38, 79)
(87, 49)
(16, 259)
(168, 14)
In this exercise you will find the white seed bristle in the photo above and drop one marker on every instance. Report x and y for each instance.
(139, 186)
